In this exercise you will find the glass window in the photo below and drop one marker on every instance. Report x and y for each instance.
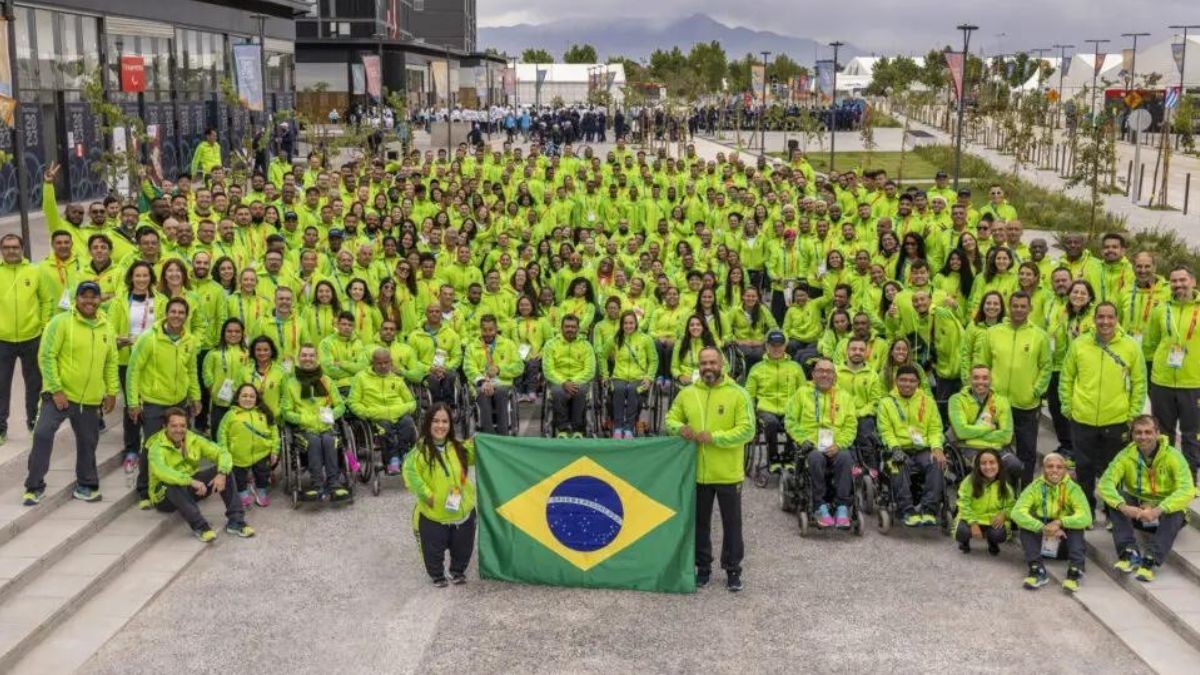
(44, 21)
(26, 63)
(88, 35)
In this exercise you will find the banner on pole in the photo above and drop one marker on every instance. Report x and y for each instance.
(371, 68)
(1177, 54)
(590, 513)
(8, 104)
(1100, 57)
(758, 79)
(954, 60)
(825, 76)
(133, 74)
(247, 59)
(357, 79)
(510, 81)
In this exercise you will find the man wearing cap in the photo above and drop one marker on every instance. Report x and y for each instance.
(78, 362)
(771, 383)
(941, 188)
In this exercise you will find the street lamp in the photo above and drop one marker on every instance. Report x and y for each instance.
(18, 136)
(966, 29)
(1133, 61)
(762, 112)
(1095, 70)
(262, 74)
(1062, 68)
(833, 106)
(1183, 57)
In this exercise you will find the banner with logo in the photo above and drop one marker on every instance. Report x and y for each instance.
(1177, 54)
(374, 80)
(8, 103)
(133, 74)
(247, 59)
(1099, 64)
(758, 78)
(590, 513)
(825, 77)
(954, 61)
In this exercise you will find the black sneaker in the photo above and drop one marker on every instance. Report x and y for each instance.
(458, 579)
(733, 582)
(964, 546)
(702, 578)
(440, 582)
(993, 548)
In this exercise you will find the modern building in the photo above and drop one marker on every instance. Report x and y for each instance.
(424, 48)
(177, 54)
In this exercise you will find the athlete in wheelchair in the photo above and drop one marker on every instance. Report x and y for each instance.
(312, 410)
(569, 367)
(490, 364)
(439, 347)
(771, 383)
(820, 420)
(381, 402)
(862, 382)
(911, 430)
(981, 419)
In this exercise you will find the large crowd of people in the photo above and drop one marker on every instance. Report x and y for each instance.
(828, 316)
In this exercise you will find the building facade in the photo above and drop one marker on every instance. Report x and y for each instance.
(425, 48)
(184, 48)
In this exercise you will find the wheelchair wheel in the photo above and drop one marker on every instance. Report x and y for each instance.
(885, 521)
(547, 421)
(802, 519)
(866, 493)
(858, 523)
(291, 467)
(949, 511)
(787, 477)
(375, 483)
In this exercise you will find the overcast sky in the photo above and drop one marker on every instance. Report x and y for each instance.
(885, 26)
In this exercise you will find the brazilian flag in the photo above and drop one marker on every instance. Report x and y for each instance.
(595, 513)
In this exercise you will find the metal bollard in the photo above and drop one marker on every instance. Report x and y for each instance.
(1128, 177)
(1141, 177)
(1187, 189)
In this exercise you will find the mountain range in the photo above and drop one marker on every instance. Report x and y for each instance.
(637, 38)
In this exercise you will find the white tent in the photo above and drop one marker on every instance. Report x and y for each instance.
(1033, 83)
(1079, 75)
(1159, 58)
(568, 81)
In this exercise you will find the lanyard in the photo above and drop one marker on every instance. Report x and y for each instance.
(490, 349)
(904, 417)
(1149, 475)
(283, 343)
(1172, 329)
(832, 405)
(1149, 302)
(1062, 501)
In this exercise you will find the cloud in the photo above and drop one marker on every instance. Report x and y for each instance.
(888, 26)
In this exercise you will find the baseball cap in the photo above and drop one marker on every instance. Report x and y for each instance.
(941, 174)
(776, 337)
(87, 287)
(335, 232)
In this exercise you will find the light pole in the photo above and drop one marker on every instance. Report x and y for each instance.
(1183, 57)
(966, 29)
(833, 105)
(18, 137)
(449, 108)
(1133, 61)
(762, 111)
(1096, 65)
(512, 63)
(262, 74)
(1062, 68)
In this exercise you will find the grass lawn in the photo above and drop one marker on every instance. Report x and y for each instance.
(915, 168)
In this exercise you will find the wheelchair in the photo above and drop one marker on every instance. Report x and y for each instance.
(368, 448)
(294, 460)
(735, 362)
(795, 493)
(460, 404)
(651, 401)
(514, 419)
(885, 502)
(590, 410)
(756, 458)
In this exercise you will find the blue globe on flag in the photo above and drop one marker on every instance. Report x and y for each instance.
(584, 513)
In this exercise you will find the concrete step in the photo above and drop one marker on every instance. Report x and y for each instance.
(76, 639)
(1185, 554)
(33, 612)
(35, 549)
(1132, 622)
(60, 483)
(14, 455)
(1172, 597)
(1194, 513)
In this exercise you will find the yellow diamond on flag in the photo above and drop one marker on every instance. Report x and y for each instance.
(584, 513)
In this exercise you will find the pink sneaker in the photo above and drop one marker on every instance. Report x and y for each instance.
(261, 498)
(617, 435)
(247, 500)
(823, 517)
(628, 435)
(131, 462)
(843, 518)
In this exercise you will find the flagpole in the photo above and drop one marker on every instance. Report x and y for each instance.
(1166, 152)
(966, 29)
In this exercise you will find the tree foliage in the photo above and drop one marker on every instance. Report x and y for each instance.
(536, 55)
(708, 61)
(576, 53)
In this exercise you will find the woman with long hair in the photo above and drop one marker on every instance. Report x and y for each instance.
(131, 316)
(956, 280)
(223, 368)
(710, 313)
(984, 499)
(322, 316)
(634, 364)
(990, 313)
(999, 275)
(437, 473)
(685, 359)
(749, 326)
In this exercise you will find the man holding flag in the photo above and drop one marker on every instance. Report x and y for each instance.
(718, 416)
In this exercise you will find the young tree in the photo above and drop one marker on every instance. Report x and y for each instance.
(708, 61)
(115, 167)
